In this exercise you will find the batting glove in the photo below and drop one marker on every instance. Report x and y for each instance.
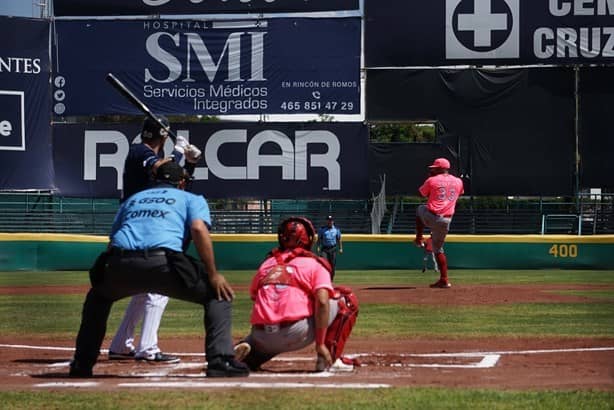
(192, 154)
(181, 144)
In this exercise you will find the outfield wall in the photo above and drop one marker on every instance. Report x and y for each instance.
(244, 251)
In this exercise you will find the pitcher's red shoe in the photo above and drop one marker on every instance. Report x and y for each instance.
(441, 284)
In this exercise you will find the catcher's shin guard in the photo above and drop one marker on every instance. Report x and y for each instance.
(341, 327)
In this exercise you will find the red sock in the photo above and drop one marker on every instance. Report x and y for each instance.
(442, 262)
(419, 228)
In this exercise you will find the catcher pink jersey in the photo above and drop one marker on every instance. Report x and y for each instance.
(442, 191)
(277, 303)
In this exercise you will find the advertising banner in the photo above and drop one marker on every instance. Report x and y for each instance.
(276, 66)
(150, 7)
(400, 33)
(240, 160)
(25, 105)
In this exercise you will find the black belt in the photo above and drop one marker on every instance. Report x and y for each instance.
(143, 253)
(280, 324)
(329, 247)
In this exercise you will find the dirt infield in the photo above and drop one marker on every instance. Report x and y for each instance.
(518, 363)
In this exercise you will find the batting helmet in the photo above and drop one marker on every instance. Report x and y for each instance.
(152, 129)
(296, 232)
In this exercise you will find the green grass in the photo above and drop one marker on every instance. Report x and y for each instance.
(31, 313)
(397, 398)
(515, 320)
(59, 316)
(372, 277)
(480, 276)
(55, 278)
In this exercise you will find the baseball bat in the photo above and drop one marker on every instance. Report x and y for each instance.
(134, 100)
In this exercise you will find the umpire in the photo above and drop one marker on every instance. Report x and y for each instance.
(329, 239)
(145, 255)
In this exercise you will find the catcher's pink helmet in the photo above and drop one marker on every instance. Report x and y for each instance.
(296, 232)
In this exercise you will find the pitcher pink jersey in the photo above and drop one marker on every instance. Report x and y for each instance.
(442, 191)
(276, 303)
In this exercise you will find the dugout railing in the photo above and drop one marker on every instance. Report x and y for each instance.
(40, 212)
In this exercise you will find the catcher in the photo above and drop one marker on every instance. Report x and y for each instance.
(295, 304)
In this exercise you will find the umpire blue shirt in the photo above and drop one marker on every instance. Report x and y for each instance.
(158, 217)
(329, 236)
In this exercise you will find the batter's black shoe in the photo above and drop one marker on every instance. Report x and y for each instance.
(159, 357)
(79, 371)
(121, 356)
(226, 367)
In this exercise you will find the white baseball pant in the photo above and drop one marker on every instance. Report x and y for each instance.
(146, 306)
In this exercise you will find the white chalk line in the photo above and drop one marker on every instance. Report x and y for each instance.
(451, 354)
(68, 384)
(203, 385)
(487, 360)
(255, 385)
(501, 353)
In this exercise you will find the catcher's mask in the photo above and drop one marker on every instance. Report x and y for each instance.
(151, 128)
(296, 232)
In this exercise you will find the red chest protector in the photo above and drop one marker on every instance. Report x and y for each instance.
(283, 274)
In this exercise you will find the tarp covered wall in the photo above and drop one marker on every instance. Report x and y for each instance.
(597, 127)
(516, 126)
(404, 165)
(25, 105)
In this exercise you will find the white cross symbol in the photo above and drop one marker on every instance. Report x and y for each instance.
(482, 22)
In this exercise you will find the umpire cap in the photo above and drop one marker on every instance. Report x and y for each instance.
(171, 173)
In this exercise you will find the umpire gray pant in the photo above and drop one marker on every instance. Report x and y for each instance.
(127, 275)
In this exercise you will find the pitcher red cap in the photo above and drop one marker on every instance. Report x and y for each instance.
(440, 163)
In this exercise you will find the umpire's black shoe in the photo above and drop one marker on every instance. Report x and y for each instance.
(226, 367)
(80, 371)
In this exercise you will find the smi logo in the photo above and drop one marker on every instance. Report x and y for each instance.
(230, 59)
(487, 29)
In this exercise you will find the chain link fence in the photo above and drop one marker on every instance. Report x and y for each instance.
(583, 215)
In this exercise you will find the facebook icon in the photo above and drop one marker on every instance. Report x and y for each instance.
(482, 29)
